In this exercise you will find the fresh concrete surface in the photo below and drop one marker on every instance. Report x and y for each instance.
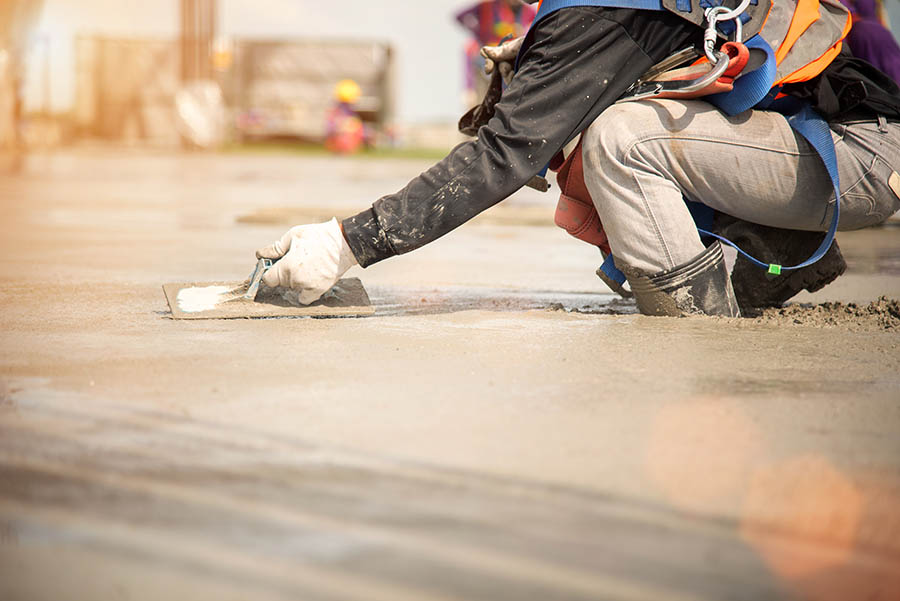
(475, 439)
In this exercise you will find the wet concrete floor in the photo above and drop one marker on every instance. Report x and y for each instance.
(502, 428)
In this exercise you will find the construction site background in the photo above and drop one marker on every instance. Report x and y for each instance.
(122, 87)
(126, 88)
(272, 87)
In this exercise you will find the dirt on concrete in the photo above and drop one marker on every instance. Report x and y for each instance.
(881, 314)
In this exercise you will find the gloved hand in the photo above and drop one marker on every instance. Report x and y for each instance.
(503, 58)
(503, 55)
(484, 112)
(310, 259)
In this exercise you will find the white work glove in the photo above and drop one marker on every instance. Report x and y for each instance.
(310, 260)
(502, 57)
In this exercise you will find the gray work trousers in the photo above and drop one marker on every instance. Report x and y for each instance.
(642, 158)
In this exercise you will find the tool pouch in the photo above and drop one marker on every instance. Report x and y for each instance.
(575, 211)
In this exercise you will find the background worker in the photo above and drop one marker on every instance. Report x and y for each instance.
(345, 132)
(489, 22)
(870, 39)
(575, 64)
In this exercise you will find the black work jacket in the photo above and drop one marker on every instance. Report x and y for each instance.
(579, 61)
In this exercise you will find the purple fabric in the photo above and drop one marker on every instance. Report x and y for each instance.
(863, 8)
(502, 11)
(870, 41)
(470, 19)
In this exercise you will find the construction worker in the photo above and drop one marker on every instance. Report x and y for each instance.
(642, 159)
(870, 39)
(345, 132)
(490, 22)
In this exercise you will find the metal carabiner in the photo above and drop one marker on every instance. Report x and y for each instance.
(717, 14)
(653, 89)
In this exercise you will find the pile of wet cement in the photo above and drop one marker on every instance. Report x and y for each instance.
(882, 314)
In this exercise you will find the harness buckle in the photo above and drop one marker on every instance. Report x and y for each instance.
(718, 14)
(724, 64)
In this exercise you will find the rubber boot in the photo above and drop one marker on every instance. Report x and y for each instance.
(699, 287)
(754, 288)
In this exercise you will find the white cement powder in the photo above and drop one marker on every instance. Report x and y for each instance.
(192, 300)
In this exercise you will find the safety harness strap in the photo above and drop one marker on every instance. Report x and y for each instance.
(548, 7)
(609, 269)
(551, 6)
(752, 87)
(814, 129)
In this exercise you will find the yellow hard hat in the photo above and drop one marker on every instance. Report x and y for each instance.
(347, 91)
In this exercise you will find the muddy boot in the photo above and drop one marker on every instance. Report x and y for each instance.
(754, 288)
(699, 287)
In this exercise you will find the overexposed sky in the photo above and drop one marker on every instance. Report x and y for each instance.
(427, 41)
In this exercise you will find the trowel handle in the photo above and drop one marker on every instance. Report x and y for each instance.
(262, 265)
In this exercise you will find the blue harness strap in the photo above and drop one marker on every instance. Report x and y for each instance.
(806, 122)
(612, 272)
(551, 6)
(754, 90)
(752, 87)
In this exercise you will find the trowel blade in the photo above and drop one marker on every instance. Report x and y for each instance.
(348, 298)
(249, 288)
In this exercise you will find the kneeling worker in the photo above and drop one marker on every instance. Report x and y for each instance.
(755, 152)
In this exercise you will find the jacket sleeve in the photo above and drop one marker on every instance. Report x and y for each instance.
(577, 63)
